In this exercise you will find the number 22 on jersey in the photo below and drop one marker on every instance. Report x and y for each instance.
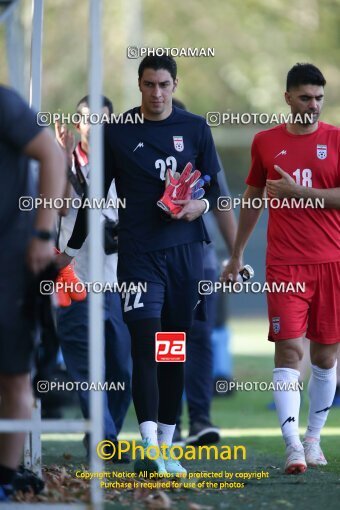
(162, 165)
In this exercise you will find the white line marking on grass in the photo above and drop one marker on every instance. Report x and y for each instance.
(225, 433)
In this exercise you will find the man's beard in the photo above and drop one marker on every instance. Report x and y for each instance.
(306, 119)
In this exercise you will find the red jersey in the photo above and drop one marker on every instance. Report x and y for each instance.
(300, 235)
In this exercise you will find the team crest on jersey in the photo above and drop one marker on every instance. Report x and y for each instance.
(178, 143)
(321, 151)
(276, 325)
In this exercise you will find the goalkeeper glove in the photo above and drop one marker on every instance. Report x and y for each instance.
(66, 283)
(198, 190)
(187, 186)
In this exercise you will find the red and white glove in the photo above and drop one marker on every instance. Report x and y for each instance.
(179, 189)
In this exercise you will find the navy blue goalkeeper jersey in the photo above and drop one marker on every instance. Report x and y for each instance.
(137, 156)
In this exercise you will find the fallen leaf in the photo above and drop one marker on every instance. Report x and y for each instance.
(158, 500)
(196, 506)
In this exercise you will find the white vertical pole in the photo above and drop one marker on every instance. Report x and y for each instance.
(96, 349)
(35, 435)
(15, 49)
(32, 448)
(32, 453)
(133, 20)
(36, 54)
(28, 452)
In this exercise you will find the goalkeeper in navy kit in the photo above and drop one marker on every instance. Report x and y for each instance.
(158, 166)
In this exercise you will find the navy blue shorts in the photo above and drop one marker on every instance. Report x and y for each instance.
(171, 277)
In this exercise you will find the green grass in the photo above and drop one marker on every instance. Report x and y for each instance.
(279, 491)
(238, 416)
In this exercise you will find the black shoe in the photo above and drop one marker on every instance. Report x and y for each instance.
(123, 458)
(25, 480)
(202, 434)
(177, 438)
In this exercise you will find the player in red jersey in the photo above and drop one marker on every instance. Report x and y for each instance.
(300, 159)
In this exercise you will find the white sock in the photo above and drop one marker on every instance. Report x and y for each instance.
(287, 403)
(148, 430)
(321, 391)
(165, 433)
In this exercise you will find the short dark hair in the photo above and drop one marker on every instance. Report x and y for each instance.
(304, 74)
(85, 101)
(156, 63)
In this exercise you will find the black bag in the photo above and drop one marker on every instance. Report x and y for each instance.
(110, 236)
